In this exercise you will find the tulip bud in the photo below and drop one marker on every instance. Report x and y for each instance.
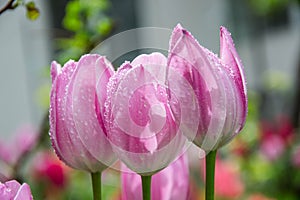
(77, 130)
(219, 85)
(144, 127)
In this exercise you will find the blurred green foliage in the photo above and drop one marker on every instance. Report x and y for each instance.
(88, 23)
(268, 7)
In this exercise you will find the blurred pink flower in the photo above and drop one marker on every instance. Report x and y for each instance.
(12, 190)
(228, 183)
(275, 137)
(168, 184)
(24, 140)
(48, 168)
(272, 147)
(77, 100)
(218, 83)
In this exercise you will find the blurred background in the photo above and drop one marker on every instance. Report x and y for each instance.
(263, 162)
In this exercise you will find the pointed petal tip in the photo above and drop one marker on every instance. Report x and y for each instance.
(126, 65)
(24, 192)
(225, 34)
(223, 29)
(178, 28)
(230, 57)
(102, 60)
(54, 70)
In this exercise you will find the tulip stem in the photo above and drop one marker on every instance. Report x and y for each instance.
(210, 161)
(96, 182)
(146, 185)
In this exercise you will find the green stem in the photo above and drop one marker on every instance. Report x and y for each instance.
(96, 182)
(210, 175)
(146, 185)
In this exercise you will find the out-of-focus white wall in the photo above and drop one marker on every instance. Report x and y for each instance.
(24, 53)
(202, 18)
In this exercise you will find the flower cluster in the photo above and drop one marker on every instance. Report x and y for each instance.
(146, 112)
(143, 111)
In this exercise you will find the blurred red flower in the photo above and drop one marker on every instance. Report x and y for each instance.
(275, 137)
(48, 168)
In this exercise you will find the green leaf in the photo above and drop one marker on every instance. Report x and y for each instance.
(32, 11)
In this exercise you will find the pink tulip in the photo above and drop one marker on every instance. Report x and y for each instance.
(218, 83)
(170, 183)
(142, 122)
(14, 190)
(77, 131)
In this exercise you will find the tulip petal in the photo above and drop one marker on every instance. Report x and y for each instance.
(153, 58)
(231, 59)
(24, 193)
(80, 153)
(55, 70)
(104, 71)
(232, 112)
(58, 133)
(182, 104)
(206, 78)
(128, 102)
(84, 104)
(12, 190)
(142, 128)
(13, 186)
